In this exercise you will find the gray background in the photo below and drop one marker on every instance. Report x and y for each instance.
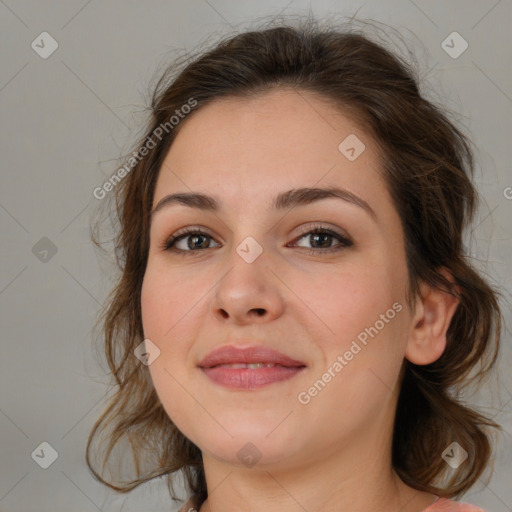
(65, 121)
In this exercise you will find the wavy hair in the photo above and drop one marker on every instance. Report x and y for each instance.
(428, 166)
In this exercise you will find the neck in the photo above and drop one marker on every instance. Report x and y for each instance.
(367, 484)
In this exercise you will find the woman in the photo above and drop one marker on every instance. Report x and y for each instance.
(296, 306)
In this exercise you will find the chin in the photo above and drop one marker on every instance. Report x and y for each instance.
(249, 452)
(251, 443)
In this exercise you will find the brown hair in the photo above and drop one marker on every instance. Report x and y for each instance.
(428, 166)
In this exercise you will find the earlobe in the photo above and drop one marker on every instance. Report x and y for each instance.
(434, 312)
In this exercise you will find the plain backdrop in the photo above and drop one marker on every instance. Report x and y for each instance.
(65, 121)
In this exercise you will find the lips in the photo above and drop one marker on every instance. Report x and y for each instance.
(249, 369)
(230, 355)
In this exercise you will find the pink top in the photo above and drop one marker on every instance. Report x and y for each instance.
(445, 505)
(440, 505)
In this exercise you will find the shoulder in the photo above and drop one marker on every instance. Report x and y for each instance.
(445, 505)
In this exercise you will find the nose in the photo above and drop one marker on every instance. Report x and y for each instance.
(248, 292)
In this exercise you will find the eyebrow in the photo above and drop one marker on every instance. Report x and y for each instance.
(288, 199)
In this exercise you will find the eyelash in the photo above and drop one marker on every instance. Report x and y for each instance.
(167, 245)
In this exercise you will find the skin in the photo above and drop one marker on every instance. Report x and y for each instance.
(335, 452)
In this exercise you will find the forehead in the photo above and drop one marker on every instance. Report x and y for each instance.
(245, 148)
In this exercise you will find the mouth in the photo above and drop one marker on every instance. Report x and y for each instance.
(249, 368)
(247, 378)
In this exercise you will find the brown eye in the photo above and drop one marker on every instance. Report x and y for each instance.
(194, 239)
(321, 238)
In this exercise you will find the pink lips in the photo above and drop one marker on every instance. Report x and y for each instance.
(249, 378)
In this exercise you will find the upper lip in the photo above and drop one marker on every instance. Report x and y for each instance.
(230, 354)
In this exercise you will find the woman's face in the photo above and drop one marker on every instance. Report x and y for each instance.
(258, 278)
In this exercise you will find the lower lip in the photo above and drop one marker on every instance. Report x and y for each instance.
(246, 378)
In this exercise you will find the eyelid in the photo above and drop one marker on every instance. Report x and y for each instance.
(308, 228)
(344, 239)
(317, 227)
(188, 230)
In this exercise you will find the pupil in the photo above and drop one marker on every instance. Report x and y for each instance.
(193, 240)
(316, 235)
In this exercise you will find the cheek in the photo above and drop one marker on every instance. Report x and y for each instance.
(154, 304)
(351, 310)
(342, 300)
(162, 308)
(167, 299)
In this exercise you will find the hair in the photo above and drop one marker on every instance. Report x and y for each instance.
(428, 166)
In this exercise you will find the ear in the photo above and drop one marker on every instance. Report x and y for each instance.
(434, 312)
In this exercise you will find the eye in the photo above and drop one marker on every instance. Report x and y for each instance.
(196, 240)
(322, 237)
